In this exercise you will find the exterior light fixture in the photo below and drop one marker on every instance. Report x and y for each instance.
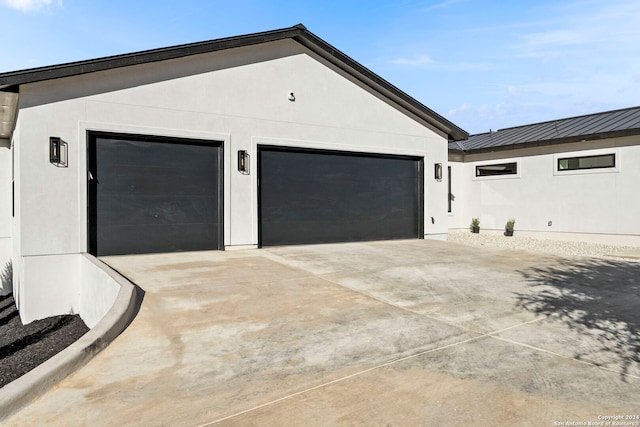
(292, 97)
(243, 162)
(437, 171)
(58, 153)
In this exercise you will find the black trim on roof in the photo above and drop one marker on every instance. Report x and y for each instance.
(299, 33)
(589, 127)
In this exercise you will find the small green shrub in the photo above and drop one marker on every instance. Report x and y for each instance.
(510, 224)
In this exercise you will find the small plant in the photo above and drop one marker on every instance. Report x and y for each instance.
(508, 229)
(475, 225)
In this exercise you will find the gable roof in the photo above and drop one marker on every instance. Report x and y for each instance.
(298, 33)
(609, 124)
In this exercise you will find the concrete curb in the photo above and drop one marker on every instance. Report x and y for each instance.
(36, 382)
(631, 255)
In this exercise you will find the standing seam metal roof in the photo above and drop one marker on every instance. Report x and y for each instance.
(608, 124)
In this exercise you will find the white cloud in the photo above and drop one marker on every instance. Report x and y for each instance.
(599, 29)
(441, 5)
(559, 37)
(28, 5)
(416, 60)
(548, 61)
(492, 110)
(513, 90)
(483, 117)
(422, 60)
(472, 66)
(616, 86)
(461, 109)
(579, 61)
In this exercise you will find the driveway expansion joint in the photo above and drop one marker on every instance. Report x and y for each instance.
(341, 379)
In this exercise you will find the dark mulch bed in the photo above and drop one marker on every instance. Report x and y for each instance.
(23, 347)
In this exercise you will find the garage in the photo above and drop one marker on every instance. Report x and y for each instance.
(153, 194)
(317, 196)
(159, 151)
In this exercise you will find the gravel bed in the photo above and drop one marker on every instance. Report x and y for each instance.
(556, 247)
(23, 347)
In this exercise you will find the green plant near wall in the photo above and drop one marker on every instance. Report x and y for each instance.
(508, 228)
(475, 225)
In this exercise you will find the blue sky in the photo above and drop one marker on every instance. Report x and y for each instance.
(482, 64)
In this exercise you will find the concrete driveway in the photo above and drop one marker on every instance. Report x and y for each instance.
(400, 333)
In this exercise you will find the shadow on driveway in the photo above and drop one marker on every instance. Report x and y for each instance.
(596, 298)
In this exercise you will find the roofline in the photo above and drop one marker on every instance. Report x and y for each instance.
(559, 120)
(545, 142)
(555, 141)
(299, 33)
(69, 69)
(461, 147)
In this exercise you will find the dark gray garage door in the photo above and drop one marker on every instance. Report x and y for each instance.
(149, 195)
(310, 196)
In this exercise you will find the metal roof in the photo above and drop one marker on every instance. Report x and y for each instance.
(609, 124)
(298, 33)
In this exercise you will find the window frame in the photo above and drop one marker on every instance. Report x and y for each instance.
(588, 153)
(497, 162)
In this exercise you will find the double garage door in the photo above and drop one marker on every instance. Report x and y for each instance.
(310, 196)
(150, 195)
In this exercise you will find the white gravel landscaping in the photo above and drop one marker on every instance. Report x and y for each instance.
(557, 247)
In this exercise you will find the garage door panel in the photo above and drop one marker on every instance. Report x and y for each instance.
(154, 195)
(296, 232)
(158, 209)
(141, 180)
(155, 238)
(135, 152)
(320, 197)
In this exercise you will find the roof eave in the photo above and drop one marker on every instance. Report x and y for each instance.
(70, 69)
(8, 112)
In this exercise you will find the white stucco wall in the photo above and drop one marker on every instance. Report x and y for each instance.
(5, 217)
(239, 97)
(49, 283)
(598, 201)
(98, 291)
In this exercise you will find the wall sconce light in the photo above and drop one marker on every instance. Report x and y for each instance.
(292, 97)
(437, 171)
(243, 162)
(58, 153)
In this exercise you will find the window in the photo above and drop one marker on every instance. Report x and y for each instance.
(587, 162)
(497, 169)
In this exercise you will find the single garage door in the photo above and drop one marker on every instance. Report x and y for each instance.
(151, 194)
(311, 196)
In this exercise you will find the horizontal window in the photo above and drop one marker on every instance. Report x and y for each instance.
(497, 169)
(587, 162)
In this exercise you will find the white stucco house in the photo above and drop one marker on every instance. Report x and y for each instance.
(263, 139)
(577, 176)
